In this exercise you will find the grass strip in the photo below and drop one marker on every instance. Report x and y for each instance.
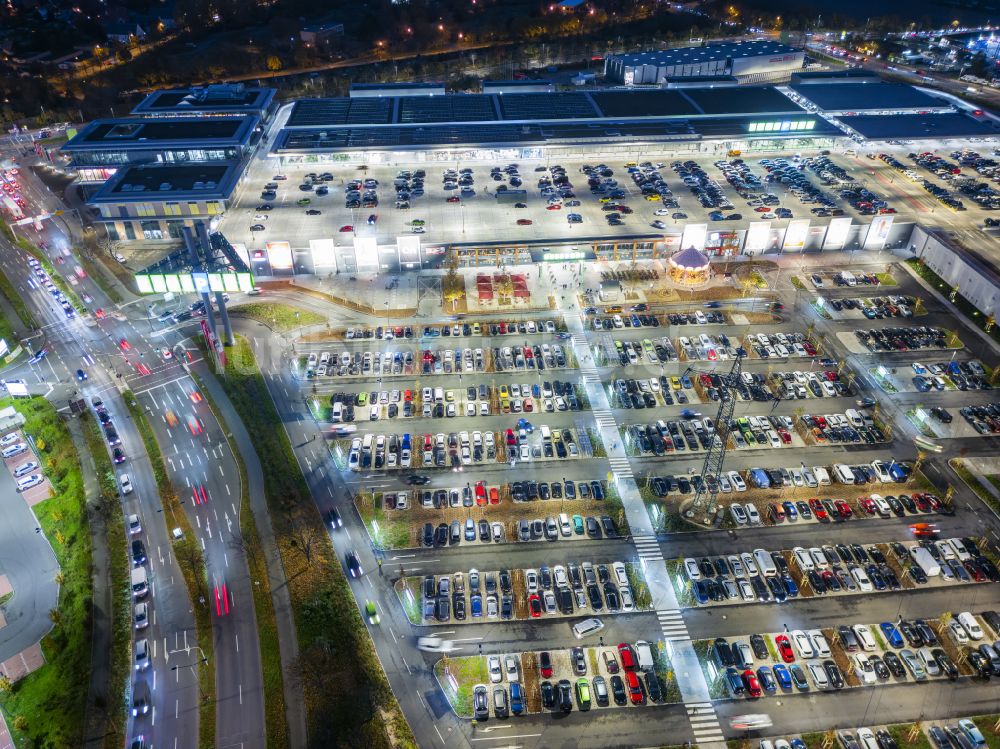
(192, 564)
(97, 273)
(110, 509)
(279, 317)
(276, 718)
(15, 301)
(348, 699)
(48, 706)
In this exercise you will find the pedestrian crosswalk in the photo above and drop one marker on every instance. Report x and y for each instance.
(672, 625)
(704, 722)
(648, 547)
(621, 468)
(591, 377)
(605, 418)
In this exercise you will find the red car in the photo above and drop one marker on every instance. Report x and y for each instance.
(818, 510)
(634, 687)
(751, 683)
(453, 199)
(511, 439)
(786, 438)
(534, 605)
(785, 648)
(346, 228)
(481, 500)
(924, 530)
(867, 505)
(553, 207)
(627, 656)
(524, 222)
(810, 349)
(762, 209)
(545, 664)
(124, 345)
(494, 495)
(843, 509)
(922, 502)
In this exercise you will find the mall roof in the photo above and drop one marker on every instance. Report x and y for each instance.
(867, 95)
(138, 133)
(541, 106)
(157, 182)
(915, 126)
(396, 137)
(217, 99)
(695, 55)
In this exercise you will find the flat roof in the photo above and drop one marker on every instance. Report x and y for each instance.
(867, 95)
(395, 86)
(140, 133)
(396, 137)
(946, 125)
(740, 100)
(660, 103)
(540, 106)
(150, 182)
(696, 55)
(223, 98)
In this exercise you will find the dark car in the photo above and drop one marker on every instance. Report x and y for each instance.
(618, 690)
(653, 690)
(548, 694)
(353, 564)
(564, 695)
(833, 673)
(481, 701)
(138, 552)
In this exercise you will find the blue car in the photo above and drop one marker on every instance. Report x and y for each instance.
(784, 678)
(767, 681)
(798, 677)
(797, 743)
(516, 699)
(790, 587)
(700, 591)
(476, 604)
(892, 635)
(734, 681)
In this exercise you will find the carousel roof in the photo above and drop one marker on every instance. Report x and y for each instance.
(690, 258)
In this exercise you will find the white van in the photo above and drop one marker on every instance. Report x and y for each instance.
(822, 477)
(849, 278)
(10, 452)
(843, 473)
(854, 417)
(967, 620)
(587, 627)
(438, 395)
(765, 563)
(546, 433)
(140, 584)
(29, 481)
(337, 415)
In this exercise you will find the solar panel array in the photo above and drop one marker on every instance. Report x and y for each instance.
(470, 108)
(319, 112)
(549, 106)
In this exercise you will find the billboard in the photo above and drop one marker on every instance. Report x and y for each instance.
(796, 233)
(366, 253)
(323, 255)
(409, 250)
(279, 254)
(836, 233)
(878, 232)
(757, 237)
(694, 236)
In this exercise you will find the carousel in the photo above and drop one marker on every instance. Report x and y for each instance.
(689, 268)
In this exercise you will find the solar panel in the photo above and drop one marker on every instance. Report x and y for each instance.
(546, 106)
(369, 111)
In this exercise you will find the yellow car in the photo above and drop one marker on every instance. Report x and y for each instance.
(171, 418)
(652, 197)
(504, 393)
(604, 200)
(675, 383)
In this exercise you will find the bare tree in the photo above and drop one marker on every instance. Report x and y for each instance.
(303, 536)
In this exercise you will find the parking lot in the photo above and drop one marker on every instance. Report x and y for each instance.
(811, 186)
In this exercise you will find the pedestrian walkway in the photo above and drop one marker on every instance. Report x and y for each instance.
(686, 666)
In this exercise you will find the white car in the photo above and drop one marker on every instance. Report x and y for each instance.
(802, 557)
(510, 666)
(126, 483)
(862, 579)
(493, 665)
(958, 633)
(819, 676)
(737, 481)
(691, 568)
(738, 514)
(746, 591)
(531, 581)
(752, 515)
(620, 574)
(134, 525)
(803, 644)
(141, 615)
(820, 644)
(863, 669)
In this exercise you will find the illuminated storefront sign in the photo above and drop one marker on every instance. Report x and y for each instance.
(190, 283)
(836, 234)
(782, 126)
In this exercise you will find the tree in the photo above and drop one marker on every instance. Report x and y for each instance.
(979, 67)
(303, 536)
(273, 63)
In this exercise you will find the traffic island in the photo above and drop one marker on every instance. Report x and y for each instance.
(457, 677)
